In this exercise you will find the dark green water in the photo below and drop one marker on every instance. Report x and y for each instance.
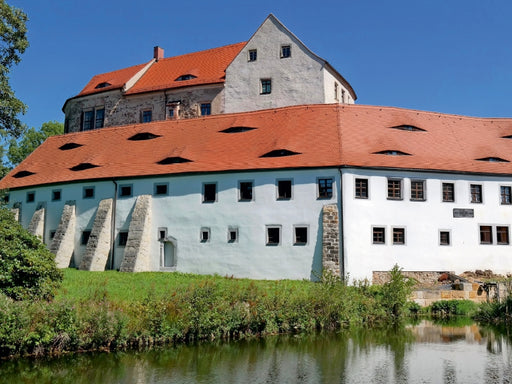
(424, 353)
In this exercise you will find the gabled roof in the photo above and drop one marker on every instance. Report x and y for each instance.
(326, 135)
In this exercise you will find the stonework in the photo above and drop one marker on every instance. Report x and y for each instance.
(137, 254)
(99, 243)
(36, 226)
(330, 239)
(422, 278)
(63, 242)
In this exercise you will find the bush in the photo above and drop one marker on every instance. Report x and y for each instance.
(447, 308)
(27, 267)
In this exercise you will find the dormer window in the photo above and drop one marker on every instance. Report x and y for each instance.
(174, 160)
(103, 85)
(286, 51)
(21, 174)
(392, 153)
(237, 129)
(83, 167)
(143, 136)
(186, 77)
(68, 146)
(494, 160)
(280, 153)
(407, 127)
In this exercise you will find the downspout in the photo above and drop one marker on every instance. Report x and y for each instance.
(341, 248)
(113, 226)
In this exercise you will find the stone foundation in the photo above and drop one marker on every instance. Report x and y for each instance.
(330, 239)
(63, 242)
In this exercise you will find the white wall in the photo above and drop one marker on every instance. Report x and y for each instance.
(422, 221)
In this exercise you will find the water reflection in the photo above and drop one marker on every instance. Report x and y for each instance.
(422, 353)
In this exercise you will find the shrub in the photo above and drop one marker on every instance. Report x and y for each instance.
(396, 292)
(27, 267)
(447, 308)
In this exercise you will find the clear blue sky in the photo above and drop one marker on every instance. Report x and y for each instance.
(450, 56)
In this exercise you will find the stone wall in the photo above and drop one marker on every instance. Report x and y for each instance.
(422, 278)
(330, 239)
(63, 242)
(36, 226)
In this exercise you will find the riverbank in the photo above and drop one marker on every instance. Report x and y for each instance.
(114, 311)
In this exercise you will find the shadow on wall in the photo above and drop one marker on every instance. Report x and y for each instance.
(316, 265)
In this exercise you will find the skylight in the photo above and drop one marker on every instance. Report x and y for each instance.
(407, 127)
(280, 153)
(83, 166)
(507, 137)
(494, 160)
(392, 153)
(103, 85)
(21, 174)
(69, 146)
(174, 160)
(237, 129)
(186, 77)
(143, 136)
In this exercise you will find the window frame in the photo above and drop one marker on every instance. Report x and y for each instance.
(144, 114)
(122, 238)
(483, 239)
(204, 193)
(232, 230)
(394, 180)
(85, 193)
(205, 235)
(284, 197)
(84, 237)
(505, 198)
(476, 193)
(448, 242)
(252, 55)
(158, 185)
(285, 51)
(378, 231)
(447, 194)
(54, 192)
(205, 109)
(422, 191)
(90, 117)
(361, 192)
(265, 86)
(499, 239)
(240, 190)
(30, 197)
(329, 190)
(295, 237)
(273, 227)
(122, 194)
(398, 235)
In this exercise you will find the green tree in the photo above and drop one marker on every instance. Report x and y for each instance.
(33, 138)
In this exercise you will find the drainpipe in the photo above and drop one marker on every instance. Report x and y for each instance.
(113, 226)
(341, 210)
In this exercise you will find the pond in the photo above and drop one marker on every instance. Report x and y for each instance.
(421, 353)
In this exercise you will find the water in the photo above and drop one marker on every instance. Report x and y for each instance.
(423, 353)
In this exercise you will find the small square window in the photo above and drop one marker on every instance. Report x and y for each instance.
(485, 234)
(398, 236)
(125, 190)
(266, 86)
(52, 234)
(205, 235)
(502, 236)
(444, 237)
(448, 192)
(232, 235)
(162, 233)
(6, 198)
(379, 235)
(325, 188)
(253, 55)
(394, 189)
(286, 51)
(284, 189)
(56, 195)
(506, 195)
(123, 238)
(245, 188)
(418, 190)
(209, 192)
(85, 237)
(88, 193)
(206, 109)
(476, 193)
(31, 197)
(273, 235)
(161, 189)
(301, 235)
(146, 116)
(361, 188)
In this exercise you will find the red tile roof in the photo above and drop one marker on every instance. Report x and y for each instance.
(321, 135)
(207, 67)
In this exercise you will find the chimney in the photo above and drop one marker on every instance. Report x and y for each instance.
(158, 53)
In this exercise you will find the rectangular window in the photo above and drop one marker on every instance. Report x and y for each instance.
(125, 190)
(88, 120)
(88, 193)
(52, 234)
(399, 236)
(205, 235)
(476, 193)
(273, 235)
(206, 109)
(123, 238)
(448, 192)
(284, 189)
(85, 237)
(444, 237)
(146, 116)
(485, 234)
(394, 189)
(506, 194)
(31, 197)
(162, 233)
(161, 189)
(336, 90)
(502, 235)
(100, 118)
(418, 190)
(361, 188)
(379, 235)
(301, 235)
(56, 195)
(325, 188)
(286, 51)
(253, 54)
(266, 86)
(245, 188)
(209, 192)
(232, 235)
(6, 198)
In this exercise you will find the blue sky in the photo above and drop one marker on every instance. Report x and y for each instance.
(450, 56)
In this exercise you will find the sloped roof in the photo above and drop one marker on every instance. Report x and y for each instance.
(319, 135)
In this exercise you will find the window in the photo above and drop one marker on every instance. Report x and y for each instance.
(379, 235)
(87, 120)
(162, 233)
(324, 188)
(286, 51)
(502, 235)
(394, 189)
(284, 189)
(444, 237)
(172, 114)
(206, 109)
(301, 235)
(342, 95)
(88, 193)
(506, 193)
(123, 238)
(6, 198)
(161, 189)
(336, 90)
(485, 234)
(56, 195)
(31, 197)
(205, 235)
(100, 118)
(245, 188)
(476, 193)
(52, 234)
(85, 237)
(232, 235)
(93, 118)
(186, 77)
(418, 190)
(125, 190)
(361, 188)
(448, 192)
(146, 116)
(209, 192)
(273, 235)
(266, 86)
(398, 236)
(253, 54)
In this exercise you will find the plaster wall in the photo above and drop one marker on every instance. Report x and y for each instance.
(423, 220)
(343, 94)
